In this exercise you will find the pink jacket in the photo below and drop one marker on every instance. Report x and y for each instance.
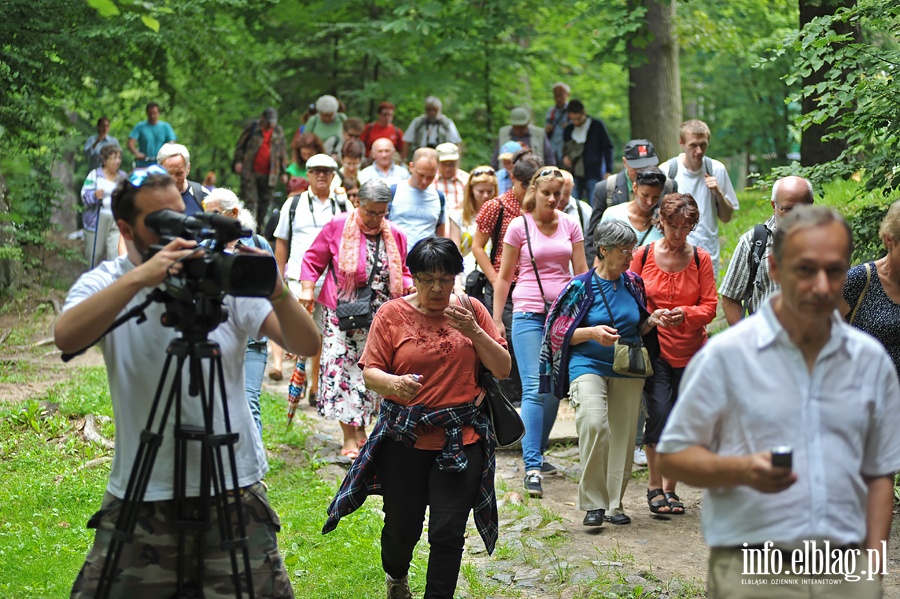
(324, 252)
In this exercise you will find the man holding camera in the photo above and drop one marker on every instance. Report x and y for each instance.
(134, 354)
(795, 374)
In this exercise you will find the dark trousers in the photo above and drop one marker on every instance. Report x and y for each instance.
(410, 481)
(512, 385)
(257, 195)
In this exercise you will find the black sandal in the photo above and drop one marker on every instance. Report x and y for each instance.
(655, 506)
(675, 503)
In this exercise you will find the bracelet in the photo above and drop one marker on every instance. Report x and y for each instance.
(284, 293)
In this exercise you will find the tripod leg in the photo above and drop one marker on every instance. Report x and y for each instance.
(139, 477)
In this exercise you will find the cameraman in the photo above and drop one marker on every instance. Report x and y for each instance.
(134, 355)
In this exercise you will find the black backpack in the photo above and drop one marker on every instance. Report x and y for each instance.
(757, 249)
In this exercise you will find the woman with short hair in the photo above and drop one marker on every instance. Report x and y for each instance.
(101, 235)
(594, 311)
(433, 445)
(352, 249)
(679, 280)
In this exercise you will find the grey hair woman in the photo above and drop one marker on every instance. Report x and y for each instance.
(592, 312)
(355, 249)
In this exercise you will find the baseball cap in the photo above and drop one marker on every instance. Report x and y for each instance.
(640, 153)
(447, 151)
(321, 161)
(508, 149)
(519, 116)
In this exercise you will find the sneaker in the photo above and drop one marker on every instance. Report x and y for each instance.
(548, 469)
(533, 483)
(640, 457)
(397, 588)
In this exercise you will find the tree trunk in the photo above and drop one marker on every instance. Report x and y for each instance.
(812, 149)
(654, 94)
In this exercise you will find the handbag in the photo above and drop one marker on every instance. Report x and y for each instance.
(357, 314)
(630, 358)
(505, 419)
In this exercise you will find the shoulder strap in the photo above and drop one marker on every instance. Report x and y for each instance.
(291, 215)
(580, 214)
(443, 199)
(603, 295)
(696, 257)
(610, 189)
(673, 167)
(495, 237)
(391, 207)
(644, 257)
(707, 165)
(533, 263)
(861, 295)
(757, 249)
(256, 240)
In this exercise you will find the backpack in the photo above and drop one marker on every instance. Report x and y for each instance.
(441, 197)
(673, 167)
(757, 249)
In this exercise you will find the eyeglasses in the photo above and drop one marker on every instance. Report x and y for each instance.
(353, 195)
(784, 209)
(320, 171)
(139, 176)
(483, 171)
(628, 251)
(369, 213)
(551, 171)
(442, 282)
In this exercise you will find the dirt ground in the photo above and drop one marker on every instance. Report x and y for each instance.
(667, 546)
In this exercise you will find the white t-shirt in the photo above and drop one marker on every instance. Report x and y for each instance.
(135, 354)
(706, 235)
(416, 212)
(312, 214)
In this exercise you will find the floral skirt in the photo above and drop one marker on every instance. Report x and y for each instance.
(342, 392)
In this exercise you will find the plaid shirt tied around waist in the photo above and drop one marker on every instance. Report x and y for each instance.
(398, 423)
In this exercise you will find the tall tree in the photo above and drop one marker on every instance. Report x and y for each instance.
(654, 91)
(816, 145)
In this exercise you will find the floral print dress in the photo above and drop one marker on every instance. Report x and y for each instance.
(342, 392)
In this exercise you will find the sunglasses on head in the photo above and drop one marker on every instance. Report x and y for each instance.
(551, 171)
(482, 171)
(651, 179)
(139, 175)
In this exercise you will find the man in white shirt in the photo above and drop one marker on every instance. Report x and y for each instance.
(135, 354)
(708, 183)
(451, 180)
(418, 208)
(311, 210)
(383, 166)
(793, 374)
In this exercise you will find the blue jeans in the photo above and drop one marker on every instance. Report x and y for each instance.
(538, 409)
(254, 369)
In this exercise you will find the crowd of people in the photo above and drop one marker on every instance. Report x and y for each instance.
(592, 285)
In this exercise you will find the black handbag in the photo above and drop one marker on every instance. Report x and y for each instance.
(358, 313)
(505, 420)
(476, 281)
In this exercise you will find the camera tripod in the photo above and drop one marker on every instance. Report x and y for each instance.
(218, 484)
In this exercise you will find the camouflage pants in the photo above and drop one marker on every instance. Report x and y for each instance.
(148, 565)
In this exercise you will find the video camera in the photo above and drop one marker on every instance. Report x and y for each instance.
(217, 272)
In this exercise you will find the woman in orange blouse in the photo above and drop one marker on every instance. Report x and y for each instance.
(678, 278)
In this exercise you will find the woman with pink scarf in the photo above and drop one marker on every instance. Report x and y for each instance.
(352, 248)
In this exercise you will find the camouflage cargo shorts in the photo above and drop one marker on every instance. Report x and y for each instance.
(148, 565)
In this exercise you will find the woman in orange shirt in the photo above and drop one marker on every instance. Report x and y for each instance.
(678, 278)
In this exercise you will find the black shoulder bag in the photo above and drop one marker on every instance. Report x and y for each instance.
(358, 313)
(477, 280)
(505, 419)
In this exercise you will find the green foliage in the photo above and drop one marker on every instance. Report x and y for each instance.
(860, 89)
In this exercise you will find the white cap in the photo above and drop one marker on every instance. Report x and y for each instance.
(321, 161)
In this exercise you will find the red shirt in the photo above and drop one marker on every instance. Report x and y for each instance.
(692, 289)
(402, 340)
(487, 220)
(262, 163)
(375, 131)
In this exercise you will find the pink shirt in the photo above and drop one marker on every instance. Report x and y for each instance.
(324, 252)
(553, 256)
